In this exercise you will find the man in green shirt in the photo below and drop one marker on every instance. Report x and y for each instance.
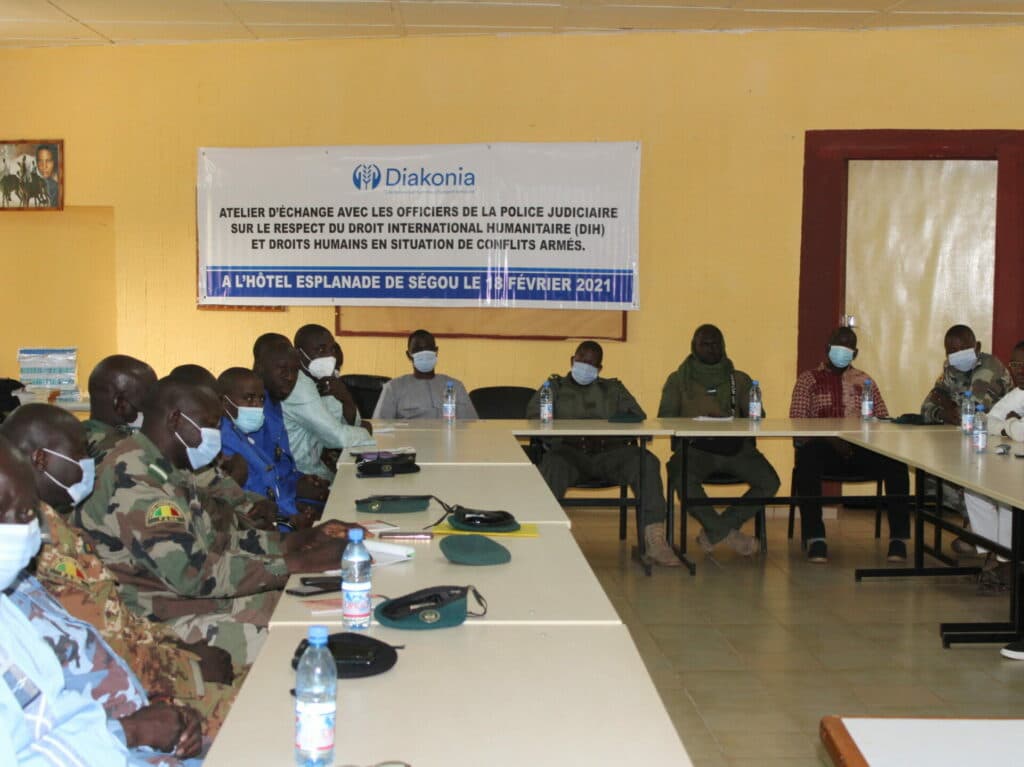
(707, 384)
(570, 460)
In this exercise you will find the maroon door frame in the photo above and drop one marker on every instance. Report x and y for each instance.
(823, 236)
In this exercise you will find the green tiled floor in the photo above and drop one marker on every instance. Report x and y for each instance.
(748, 655)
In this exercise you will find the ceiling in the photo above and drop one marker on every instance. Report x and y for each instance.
(34, 23)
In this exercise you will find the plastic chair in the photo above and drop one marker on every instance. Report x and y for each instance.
(365, 391)
(508, 402)
(840, 478)
(718, 478)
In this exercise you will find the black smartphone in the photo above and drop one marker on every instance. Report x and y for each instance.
(312, 591)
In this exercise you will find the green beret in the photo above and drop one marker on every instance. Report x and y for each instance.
(474, 550)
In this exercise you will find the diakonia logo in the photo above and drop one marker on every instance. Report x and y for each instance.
(366, 177)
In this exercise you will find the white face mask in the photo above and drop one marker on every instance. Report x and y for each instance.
(321, 367)
(963, 360)
(82, 489)
(18, 544)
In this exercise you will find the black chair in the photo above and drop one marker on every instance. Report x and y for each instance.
(495, 402)
(365, 391)
(718, 478)
(840, 478)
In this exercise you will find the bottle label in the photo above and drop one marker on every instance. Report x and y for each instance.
(980, 440)
(314, 727)
(448, 411)
(355, 603)
(867, 408)
(967, 422)
(755, 411)
(547, 414)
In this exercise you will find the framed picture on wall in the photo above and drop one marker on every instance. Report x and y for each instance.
(32, 174)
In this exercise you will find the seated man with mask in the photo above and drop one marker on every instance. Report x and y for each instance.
(420, 394)
(708, 384)
(196, 674)
(117, 386)
(966, 370)
(570, 460)
(243, 398)
(58, 706)
(153, 529)
(835, 390)
(316, 420)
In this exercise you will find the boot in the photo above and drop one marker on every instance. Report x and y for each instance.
(657, 548)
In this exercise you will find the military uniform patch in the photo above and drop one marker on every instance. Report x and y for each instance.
(162, 512)
(68, 568)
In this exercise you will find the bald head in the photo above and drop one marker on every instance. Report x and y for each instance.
(276, 362)
(18, 496)
(54, 441)
(194, 375)
(117, 386)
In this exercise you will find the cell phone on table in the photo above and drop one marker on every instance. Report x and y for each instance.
(313, 586)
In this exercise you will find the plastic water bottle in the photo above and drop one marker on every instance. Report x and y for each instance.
(355, 583)
(547, 404)
(966, 413)
(754, 407)
(448, 408)
(867, 402)
(980, 434)
(316, 682)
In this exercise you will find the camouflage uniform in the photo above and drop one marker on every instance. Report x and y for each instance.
(568, 461)
(68, 567)
(988, 382)
(102, 437)
(152, 528)
(89, 665)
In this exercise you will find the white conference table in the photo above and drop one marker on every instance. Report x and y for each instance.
(547, 582)
(451, 444)
(522, 695)
(518, 489)
(898, 742)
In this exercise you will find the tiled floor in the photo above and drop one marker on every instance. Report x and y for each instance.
(748, 655)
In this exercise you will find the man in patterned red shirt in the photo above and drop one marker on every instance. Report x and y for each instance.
(834, 390)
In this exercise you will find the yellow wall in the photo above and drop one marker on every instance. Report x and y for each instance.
(721, 117)
(49, 260)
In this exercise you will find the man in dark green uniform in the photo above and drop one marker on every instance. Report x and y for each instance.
(707, 384)
(570, 460)
(117, 386)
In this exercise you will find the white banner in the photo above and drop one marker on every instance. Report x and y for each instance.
(503, 225)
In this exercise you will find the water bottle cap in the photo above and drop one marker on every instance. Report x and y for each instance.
(980, 408)
(450, 385)
(867, 382)
(755, 382)
(317, 636)
(355, 534)
(547, 385)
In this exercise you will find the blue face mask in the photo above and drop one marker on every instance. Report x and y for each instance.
(249, 419)
(425, 361)
(583, 374)
(209, 445)
(840, 356)
(82, 489)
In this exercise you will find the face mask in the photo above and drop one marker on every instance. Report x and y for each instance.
(137, 423)
(424, 362)
(583, 374)
(18, 544)
(82, 489)
(963, 360)
(209, 445)
(249, 419)
(321, 367)
(840, 356)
